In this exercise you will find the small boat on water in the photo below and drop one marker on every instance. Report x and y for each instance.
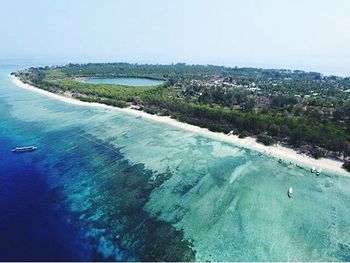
(313, 169)
(319, 171)
(290, 192)
(24, 149)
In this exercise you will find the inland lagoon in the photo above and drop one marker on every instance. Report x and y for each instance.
(124, 81)
(106, 185)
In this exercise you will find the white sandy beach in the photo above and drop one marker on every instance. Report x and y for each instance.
(287, 154)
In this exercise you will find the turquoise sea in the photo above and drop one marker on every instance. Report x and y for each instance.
(104, 185)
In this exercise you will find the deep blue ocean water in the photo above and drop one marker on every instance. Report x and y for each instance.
(33, 226)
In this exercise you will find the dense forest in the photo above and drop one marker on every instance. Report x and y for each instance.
(303, 110)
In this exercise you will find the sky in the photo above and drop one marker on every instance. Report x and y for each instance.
(312, 35)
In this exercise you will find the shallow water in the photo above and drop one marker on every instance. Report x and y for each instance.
(135, 82)
(121, 188)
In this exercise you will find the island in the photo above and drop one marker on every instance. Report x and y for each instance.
(305, 111)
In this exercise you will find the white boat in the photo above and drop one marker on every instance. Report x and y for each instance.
(24, 149)
(290, 192)
(313, 169)
(319, 171)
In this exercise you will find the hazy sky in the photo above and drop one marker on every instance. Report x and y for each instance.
(305, 34)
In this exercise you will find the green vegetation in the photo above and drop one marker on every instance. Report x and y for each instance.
(244, 134)
(265, 139)
(318, 152)
(300, 109)
(346, 166)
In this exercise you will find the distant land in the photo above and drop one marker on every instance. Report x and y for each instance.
(305, 111)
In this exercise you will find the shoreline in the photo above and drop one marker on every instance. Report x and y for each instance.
(277, 151)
